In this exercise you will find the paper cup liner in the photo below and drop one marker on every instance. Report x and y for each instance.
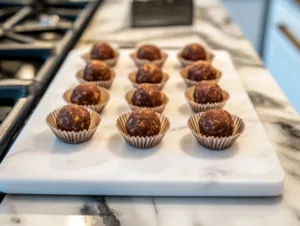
(132, 78)
(106, 84)
(158, 109)
(97, 107)
(184, 62)
(110, 62)
(189, 83)
(196, 107)
(216, 143)
(72, 137)
(143, 142)
(140, 62)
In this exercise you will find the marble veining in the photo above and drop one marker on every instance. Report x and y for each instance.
(214, 28)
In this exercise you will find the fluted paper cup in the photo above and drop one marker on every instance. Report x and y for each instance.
(143, 142)
(158, 109)
(106, 84)
(111, 62)
(72, 137)
(132, 78)
(216, 143)
(196, 107)
(189, 82)
(184, 62)
(140, 62)
(104, 98)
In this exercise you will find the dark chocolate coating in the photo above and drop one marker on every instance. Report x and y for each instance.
(73, 118)
(147, 96)
(102, 51)
(201, 71)
(142, 123)
(207, 92)
(149, 73)
(217, 123)
(194, 52)
(96, 70)
(149, 52)
(86, 94)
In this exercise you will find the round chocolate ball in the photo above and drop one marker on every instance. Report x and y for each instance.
(102, 51)
(216, 123)
(86, 94)
(142, 123)
(147, 96)
(73, 118)
(194, 52)
(149, 52)
(96, 70)
(201, 71)
(149, 73)
(207, 92)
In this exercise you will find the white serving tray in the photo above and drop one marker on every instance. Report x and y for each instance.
(38, 163)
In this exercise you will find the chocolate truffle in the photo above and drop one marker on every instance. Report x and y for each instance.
(96, 70)
(149, 52)
(216, 123)
(86, 94)
(201, 71)
(142, 123)
(102, 51)
(147, 96)
(207, 92)
(73, 118)
(149, 73)
(194, 52)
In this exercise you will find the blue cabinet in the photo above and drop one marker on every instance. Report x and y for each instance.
(282, 55)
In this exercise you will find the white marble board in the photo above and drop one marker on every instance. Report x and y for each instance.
(38, 163)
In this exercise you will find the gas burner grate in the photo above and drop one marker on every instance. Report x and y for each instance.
(36, 24)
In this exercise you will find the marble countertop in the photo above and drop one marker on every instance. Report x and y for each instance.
(215, 29)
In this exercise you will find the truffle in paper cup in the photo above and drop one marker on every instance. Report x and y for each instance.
(158, 109)
(196, 107)
(106, 84)
(72, 137)
(189, 82)
(140, 62)
(184, 62)
(104, 98)
(132, 78)
(111, 62)
(216, 143)
(143, 142)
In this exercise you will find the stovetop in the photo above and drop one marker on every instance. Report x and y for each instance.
(35, 37)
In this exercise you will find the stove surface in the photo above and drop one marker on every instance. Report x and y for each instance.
(17, 69)
(36, 24)
(35, 38)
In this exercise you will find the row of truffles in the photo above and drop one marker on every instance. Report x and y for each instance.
(148, 53)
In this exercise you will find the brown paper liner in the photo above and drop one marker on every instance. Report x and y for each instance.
(184, 62)
(196, 107)
(72, 137)
(158, 109)
(140, 62)
(216, 143)
(132, 78)
(189, 83)
(110, 62)
(98, 107)
(106, 84)
(143, 142)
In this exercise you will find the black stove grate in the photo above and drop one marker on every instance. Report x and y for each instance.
(35, 37)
